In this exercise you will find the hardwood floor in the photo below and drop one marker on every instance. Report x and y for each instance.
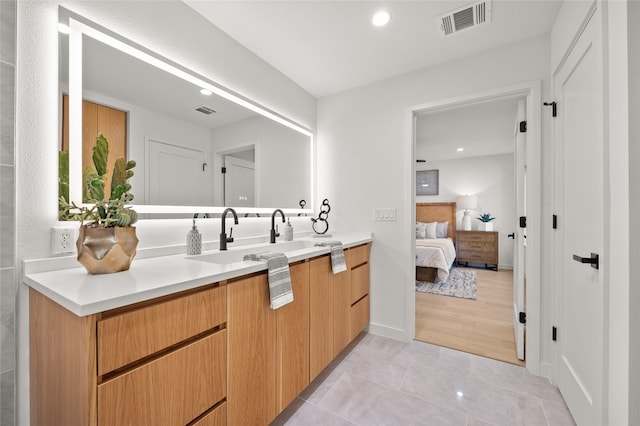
(483, 326)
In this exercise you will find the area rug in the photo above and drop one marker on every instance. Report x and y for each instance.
(460, 283)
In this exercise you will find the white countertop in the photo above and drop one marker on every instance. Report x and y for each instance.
(86, 294)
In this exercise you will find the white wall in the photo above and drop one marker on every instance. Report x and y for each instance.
(169, 28)
(491, 178)
(363, 150)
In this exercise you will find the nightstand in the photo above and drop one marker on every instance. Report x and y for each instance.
(477, 247)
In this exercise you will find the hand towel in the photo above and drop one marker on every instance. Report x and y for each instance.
(338, 263)
(280, 291)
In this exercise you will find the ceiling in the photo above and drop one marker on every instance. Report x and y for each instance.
(330, 46)
(485, 128)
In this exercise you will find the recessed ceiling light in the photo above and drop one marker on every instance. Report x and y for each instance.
(460, 149)
(381, 18)
(206, 92)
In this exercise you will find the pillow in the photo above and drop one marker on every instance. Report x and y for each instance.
(442, 229)
(421, 230)
(431, 230)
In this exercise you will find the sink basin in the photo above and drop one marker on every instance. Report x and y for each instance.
(286, 246)
(223, 257)
(237, 255)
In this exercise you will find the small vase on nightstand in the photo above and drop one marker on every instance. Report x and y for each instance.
(487, 226)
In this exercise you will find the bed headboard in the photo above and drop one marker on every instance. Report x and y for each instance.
(438, 212)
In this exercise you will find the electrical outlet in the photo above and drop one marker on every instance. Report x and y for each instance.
(62, 240)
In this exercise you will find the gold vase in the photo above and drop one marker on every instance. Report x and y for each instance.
(106, 250)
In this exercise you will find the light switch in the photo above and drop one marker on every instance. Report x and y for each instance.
(385, 214)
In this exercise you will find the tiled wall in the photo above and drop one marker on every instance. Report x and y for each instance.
(7, 211)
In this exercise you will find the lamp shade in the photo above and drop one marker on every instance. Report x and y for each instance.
(467, 202)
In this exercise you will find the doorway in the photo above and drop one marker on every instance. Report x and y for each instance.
(531, 93)
(477, 150)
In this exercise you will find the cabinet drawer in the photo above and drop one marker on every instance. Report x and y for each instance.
(481, 236)
(217, 417)
(359, 282)
(478, 245)
(132, 335)
(357, 255)
(477, 256)
(171, 390)
(359, 316)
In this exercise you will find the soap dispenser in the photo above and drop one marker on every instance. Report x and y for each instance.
(194, 241)
(288, 231)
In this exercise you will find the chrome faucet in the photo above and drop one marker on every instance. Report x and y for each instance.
(223, 236)
(273, 234)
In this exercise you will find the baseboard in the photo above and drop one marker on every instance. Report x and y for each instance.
(545, 370)
(390, 332)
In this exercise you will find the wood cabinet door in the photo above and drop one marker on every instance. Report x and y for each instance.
(158, 326)
(293, 339)
(359, 316)
(341, 309)
(359, 282)
(251, 326)
(321, 315)
(171, 390)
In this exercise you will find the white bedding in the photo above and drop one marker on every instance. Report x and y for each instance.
(436, 253)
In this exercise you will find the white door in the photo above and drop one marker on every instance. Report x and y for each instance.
(177, 176)
(579, 95)
(520, 244)
(239, 182)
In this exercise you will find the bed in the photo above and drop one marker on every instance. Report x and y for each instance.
(434, 256)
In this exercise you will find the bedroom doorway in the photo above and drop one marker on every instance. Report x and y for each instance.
(530, 193)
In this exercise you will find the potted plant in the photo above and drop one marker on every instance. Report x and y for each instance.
(486, 219)
(107, 240)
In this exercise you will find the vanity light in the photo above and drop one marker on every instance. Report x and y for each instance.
(460, 149)
(206, 92)
(381, 18)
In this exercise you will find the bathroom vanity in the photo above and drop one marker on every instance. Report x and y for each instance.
(183, 340)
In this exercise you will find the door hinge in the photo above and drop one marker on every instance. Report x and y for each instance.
(554, 222)
(523, 126)
(224, 170)
(523, 221)
(522, 317)
(554, 107)
(554, 334)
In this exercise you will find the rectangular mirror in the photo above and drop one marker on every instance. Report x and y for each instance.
(198, 147)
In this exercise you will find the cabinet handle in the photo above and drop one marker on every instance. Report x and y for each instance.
(594, 260)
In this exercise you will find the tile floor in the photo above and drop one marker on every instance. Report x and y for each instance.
(380, 381)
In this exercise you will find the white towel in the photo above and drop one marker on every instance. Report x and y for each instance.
(338, 263)
(280, 291)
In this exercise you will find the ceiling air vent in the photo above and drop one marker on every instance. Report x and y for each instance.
(466, 17)
(205, 110)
